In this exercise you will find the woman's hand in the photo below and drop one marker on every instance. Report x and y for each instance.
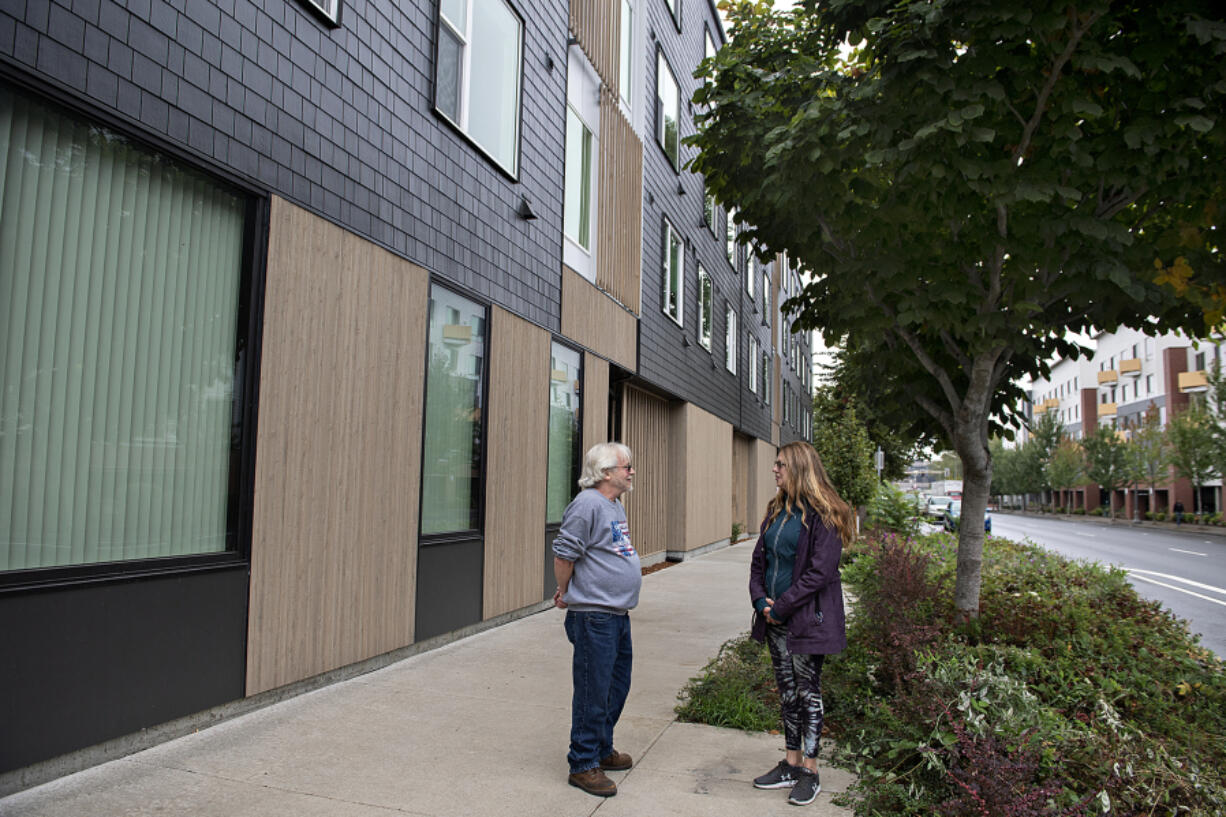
(766, 611)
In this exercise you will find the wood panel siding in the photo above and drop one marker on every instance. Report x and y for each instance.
(334, 534)
(619, 208)
(595, 401)
(707, 461)
(596, 24)
(646, 421)
(595, 320)
(742, 447)
(516, 465)
(761, 481)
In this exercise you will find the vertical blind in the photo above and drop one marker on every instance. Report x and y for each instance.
(119, 281)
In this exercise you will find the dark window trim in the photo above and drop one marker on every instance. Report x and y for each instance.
(577, 465)
(658, 136)
(467, 534)
(247, 349)
(512, 175)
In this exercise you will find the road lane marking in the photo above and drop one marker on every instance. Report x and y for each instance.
(1087, 535)
(1190, 552)
(1146, 578)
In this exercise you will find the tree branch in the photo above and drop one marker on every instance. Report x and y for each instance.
(1040, 104)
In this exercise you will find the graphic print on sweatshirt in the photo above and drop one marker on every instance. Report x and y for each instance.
(621, 539)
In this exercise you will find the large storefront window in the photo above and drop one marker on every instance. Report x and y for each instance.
(564, 433)
(120, 275)
(451, 466)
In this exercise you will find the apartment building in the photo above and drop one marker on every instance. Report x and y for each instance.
(1128, 374)
(310, 308)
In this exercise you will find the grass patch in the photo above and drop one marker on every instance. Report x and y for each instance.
(1069, 695)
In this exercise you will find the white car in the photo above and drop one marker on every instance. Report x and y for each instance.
(935, 508)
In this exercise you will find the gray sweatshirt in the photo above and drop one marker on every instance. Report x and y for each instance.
(595, 537)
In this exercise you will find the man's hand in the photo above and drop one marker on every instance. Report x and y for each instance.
(562, 571)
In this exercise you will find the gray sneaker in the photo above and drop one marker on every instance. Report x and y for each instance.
(807, 786)
(781, 777)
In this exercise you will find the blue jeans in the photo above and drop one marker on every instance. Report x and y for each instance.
(601, 672)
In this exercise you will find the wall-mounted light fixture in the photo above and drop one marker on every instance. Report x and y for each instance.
(680, 188)
(525, 210)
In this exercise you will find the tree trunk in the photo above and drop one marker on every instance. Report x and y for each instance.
(976, 483)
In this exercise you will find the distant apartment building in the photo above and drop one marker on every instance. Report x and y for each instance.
(1128, 374)
(310, 308)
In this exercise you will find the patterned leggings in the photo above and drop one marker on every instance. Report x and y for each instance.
(799, 678)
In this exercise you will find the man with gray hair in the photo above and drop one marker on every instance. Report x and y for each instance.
(599, 575)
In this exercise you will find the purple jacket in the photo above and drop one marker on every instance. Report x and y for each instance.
(812, 608)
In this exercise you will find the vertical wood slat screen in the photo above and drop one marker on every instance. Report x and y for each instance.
(645, 428)
(518, 439)
(597, 25)
(338, 463)
(119, 284)
(619, 232)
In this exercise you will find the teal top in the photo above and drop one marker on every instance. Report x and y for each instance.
(781, 539)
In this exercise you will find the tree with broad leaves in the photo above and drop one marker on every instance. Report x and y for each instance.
(1046, 434)
(1149, 453)
(1192, 447)
(842, 442)
(975, 179)
(1107, 464)
(1066, 466)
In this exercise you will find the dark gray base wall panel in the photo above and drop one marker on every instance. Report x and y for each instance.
(450, 583)
(91, 662)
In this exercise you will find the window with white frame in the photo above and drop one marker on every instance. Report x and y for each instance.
(766, 296)
(753, 364)
(704, 308)
(668, 111)
(330, 9)
(582, 147)
(625, 77)
(479, 73)
(673, 272)
(730, 338)
(708, 207)
(578, 206)
(674, 8)
(766, 376)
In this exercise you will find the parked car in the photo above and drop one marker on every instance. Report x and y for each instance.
(935, 507)
(953, 512)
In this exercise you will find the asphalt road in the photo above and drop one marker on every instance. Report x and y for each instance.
(1185, 570)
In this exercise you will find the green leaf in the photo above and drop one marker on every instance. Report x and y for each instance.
(1087, 108)
(1200, 124)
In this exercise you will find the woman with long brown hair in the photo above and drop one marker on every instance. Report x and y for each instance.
(798, 605)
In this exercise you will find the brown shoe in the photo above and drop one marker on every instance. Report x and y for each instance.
(616, 762)
(593, 781)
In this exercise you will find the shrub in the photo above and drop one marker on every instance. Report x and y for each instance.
(1149, 516)
(1059, 509)
(737, 530)
(1096, 511)
(893, 510)
(1159, 516)
(736, 689)
(1069, 695)
(1079, 511)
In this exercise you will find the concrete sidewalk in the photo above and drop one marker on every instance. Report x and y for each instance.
(478, 727)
